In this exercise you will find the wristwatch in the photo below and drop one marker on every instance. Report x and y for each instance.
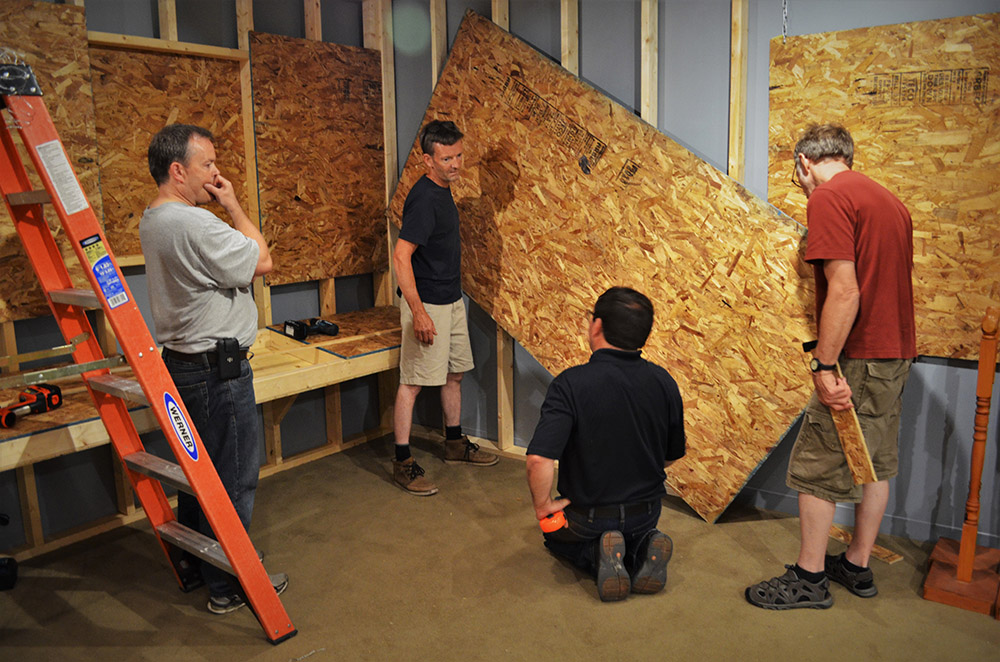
(816, 366)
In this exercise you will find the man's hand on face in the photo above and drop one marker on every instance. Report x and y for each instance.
(221, 190)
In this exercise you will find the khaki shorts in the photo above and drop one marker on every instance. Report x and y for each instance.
(817, 465)
(429, 365)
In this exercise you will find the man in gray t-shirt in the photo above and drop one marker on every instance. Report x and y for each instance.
(199, 270)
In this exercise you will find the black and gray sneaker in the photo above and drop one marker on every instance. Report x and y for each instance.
(651, 576)
(223, 604)
(789, 591)
(861, 584)
(613, 582)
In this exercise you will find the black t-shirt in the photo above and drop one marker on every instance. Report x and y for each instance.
(430, 220)
(612, 423)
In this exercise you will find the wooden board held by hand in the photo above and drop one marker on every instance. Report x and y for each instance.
(859, 460)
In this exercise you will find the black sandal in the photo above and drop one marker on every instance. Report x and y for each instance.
(789, 591)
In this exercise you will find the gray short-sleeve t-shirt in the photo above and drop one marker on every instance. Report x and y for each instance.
(199, 271)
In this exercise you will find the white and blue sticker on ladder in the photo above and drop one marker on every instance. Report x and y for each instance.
(181, 427)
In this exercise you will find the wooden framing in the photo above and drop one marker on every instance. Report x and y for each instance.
(649, 82)
(569, 24)
(377, 15)
(112, 40)
(314, 26)
(738, 40)
(168, 19)
(500, 13)
(439, 38)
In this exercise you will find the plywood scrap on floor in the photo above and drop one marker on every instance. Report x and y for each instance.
(567, 193)
(137, 94)
(922, 103)
(52, 39)
(320, 157)
(845, 536)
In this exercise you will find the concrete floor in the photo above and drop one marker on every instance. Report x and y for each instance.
(377, 574)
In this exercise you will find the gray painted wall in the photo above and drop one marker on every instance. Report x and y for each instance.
(935, 439)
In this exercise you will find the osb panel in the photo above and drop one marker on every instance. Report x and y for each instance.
(354, 348)
(53, 40)
(567, 193)
(136, 95)
(921, 101)
(320, 157)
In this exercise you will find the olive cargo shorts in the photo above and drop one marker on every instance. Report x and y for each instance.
(817, 465)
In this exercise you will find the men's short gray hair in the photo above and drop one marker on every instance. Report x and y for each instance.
(825, 141)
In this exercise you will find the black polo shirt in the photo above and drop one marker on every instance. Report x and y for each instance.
(430, 220)
(612, 423)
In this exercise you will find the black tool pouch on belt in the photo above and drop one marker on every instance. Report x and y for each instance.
(228, 358)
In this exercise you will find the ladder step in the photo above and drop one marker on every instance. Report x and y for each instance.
(200, 545)
(74, 297)
(120, 387)
(158, 468)
(29, 198)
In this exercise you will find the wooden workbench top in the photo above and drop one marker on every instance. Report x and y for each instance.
(368, 343)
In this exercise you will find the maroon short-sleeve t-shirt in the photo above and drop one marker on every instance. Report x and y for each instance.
(854, 218)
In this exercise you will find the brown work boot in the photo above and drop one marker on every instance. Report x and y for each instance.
(410, 476)
(463, 450)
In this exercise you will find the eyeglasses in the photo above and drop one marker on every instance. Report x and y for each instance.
(795, 176)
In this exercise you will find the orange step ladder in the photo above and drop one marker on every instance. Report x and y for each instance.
(194, 471)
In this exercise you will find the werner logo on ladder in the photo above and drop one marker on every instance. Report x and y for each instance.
(193, 473)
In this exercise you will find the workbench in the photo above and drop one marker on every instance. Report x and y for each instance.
(367, 344)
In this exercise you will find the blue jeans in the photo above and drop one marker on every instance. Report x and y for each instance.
(225, 414)
(578, 541)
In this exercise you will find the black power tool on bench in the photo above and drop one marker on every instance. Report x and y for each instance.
(299, 330)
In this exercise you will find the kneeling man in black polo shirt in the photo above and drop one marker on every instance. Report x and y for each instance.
(613, 423)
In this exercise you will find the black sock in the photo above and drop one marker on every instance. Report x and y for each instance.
(850, 566)
(452, 432)
(814, 577)
(402, 452)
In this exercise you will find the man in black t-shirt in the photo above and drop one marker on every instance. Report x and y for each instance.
(435, 346)
(613, 423)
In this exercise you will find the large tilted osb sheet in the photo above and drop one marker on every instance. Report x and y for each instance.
(137, 94)
(922, 102)
(52, 39)
(567, 193)
(320, 157)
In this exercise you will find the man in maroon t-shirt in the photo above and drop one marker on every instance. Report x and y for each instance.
(860, 244)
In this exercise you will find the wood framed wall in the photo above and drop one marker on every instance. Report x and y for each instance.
(378, 34)
(738, 56)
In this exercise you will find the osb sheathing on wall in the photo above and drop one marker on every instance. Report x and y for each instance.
(52, 39)
(921, 101)
(566, 193)
(320, 157)
(136, 94)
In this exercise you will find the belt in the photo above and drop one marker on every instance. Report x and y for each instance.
(630, 510)
(210, 357)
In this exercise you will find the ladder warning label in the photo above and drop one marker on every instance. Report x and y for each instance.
(181, 427)
(53, 157)
(104, 271)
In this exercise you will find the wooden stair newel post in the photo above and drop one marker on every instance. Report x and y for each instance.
(984, 393)
(963, 574)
